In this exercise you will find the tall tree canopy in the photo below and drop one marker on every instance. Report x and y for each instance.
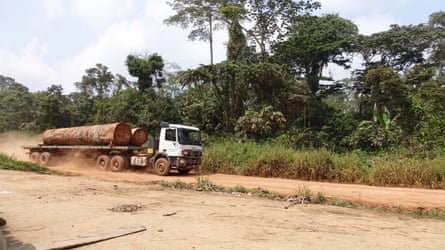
(400, 47)
(97, 82)
(203, 15)
(313, 43)
(272, 19)
(149, 70)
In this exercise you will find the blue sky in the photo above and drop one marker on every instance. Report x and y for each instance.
(46, 42)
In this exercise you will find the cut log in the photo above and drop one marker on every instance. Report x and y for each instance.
(105, 134)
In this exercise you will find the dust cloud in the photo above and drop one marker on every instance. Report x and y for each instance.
(11, 143)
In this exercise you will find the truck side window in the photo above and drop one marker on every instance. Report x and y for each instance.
(170, 135)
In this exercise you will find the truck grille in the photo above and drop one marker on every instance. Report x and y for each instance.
(195, 154)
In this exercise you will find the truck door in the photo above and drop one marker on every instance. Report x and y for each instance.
(169, 144)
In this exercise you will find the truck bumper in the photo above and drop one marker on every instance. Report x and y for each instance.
(184, 163)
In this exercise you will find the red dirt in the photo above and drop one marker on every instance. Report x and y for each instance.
(389, 197)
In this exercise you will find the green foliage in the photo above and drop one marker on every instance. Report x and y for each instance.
(408, 172)
(97, 83)
(178, 184)
(261, 124)
(399, 47)
(277, 160)
(149, 70)
(204, 184)
(313, 43)
(272, 19)
(53, 109)
(16, 105)
(6, 162)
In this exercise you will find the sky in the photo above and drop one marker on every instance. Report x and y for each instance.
(45, 42)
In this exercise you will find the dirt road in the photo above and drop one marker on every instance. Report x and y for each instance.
(390, 197)
(43, 210)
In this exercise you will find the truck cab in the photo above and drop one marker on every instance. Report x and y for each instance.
(179, 148)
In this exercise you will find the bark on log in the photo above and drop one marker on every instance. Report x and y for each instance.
(105, 134)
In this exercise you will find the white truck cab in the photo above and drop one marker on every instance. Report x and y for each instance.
(180, 145)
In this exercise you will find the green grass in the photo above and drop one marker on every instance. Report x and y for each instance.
(276, 160)
(7, 162)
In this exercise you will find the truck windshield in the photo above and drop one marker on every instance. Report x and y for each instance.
(189, 137)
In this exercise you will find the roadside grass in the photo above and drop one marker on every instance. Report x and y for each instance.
(303, 195)
(408, 169)
(8, 162)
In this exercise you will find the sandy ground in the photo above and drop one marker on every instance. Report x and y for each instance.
(46, 209)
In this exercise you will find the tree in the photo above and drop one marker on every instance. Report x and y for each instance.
(16, 105)
(437, 26)
(313, 43)
(388, 91)
(97, 83)
(399, 48)
(53, 109)
(237, 44)
(202, 15)
(272, 19)
(149, 70)
(227, 89)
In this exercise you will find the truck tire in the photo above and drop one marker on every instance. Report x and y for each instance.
(45, 158)
(162, 166)
(34, 157)
(103, 162)
(118, 163)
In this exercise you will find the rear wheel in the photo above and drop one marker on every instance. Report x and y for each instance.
(45, 158)
(162, 167)
(34, 157)
(103, 162)
(118, 163)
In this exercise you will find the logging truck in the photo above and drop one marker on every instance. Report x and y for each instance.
(116, 147)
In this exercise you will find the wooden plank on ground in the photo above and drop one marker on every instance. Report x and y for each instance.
(86, 240)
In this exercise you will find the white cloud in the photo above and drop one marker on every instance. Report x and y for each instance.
(29, 67)
(345, 6)
(53, 9)
(100, 12)
(375, 22)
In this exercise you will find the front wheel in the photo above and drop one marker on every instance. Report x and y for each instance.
(162, 167)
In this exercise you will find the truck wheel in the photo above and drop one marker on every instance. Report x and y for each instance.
(118, 163)
(45, 158)
(162, 167)
(34, 157)
(103, 162)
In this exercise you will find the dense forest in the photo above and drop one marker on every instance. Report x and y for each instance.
(273, 84)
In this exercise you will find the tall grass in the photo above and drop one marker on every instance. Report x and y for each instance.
(272, 160)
